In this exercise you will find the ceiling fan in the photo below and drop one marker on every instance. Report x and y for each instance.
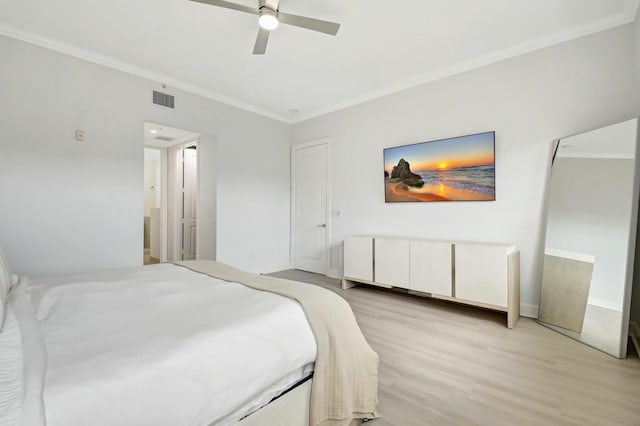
(269, 17)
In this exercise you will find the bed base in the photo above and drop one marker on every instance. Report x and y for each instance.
(291, 409)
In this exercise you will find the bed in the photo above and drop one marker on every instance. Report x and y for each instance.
(191, 343)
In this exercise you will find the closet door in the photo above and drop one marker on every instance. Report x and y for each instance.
(431, 267)
(392, 262)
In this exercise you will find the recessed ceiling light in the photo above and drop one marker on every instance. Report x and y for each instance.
(153, 131)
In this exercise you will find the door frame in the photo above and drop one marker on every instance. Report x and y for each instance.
(293, 231)
(207, 178)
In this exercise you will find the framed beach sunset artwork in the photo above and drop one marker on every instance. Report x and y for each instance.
(455, 169)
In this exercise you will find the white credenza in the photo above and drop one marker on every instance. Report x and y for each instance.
(480, 274)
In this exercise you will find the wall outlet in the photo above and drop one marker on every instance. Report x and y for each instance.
(80, 135)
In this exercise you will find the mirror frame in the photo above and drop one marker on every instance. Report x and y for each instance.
(631, 244)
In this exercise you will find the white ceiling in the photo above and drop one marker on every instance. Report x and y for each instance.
(163, 136)
(382, 46)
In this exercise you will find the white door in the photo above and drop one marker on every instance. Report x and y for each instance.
(189, 219)
(309, 208)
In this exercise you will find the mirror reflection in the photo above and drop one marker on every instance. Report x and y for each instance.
(589, 226)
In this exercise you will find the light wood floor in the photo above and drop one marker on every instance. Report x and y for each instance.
(447, 364)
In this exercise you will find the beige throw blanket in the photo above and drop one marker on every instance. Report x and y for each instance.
(345, 381)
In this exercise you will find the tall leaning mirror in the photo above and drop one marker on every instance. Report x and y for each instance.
(590, 237)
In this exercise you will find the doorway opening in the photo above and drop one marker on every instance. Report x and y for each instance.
(174, 172)
(152, 205)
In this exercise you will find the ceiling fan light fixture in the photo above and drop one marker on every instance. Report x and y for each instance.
(268, 19)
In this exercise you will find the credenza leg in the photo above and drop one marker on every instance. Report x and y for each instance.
(348, 283)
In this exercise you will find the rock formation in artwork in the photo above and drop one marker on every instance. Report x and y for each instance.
(403, 172)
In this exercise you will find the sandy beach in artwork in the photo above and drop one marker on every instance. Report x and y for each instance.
(397, 191)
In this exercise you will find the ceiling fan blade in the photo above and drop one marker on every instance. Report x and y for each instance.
(229, 5)
(319, 25)
(261, 42)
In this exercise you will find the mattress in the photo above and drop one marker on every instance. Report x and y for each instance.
(164, 345)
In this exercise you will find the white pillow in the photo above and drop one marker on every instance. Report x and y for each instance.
(5, 284)
(21, 340)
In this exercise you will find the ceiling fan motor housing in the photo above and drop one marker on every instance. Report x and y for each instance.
(268, 18)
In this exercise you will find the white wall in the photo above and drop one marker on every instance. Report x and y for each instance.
(635, 295)
(636, 27)
(207, 202)
(528, 100)
(589, 204)
(69, 206)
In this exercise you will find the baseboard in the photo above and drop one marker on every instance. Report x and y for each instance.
(334, 273)
(604, 304)
(634, 332)
(529, 311)
(282, 267)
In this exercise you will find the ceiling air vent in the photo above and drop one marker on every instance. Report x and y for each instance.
(164, 138)
(163, 99)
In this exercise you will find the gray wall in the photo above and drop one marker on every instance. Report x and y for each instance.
(70, 206)
(636, 26)
(528, 100)
(635, 295)
(634, 314)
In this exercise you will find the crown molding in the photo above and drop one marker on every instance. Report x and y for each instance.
(626, 17)
(621, 19)
(116, 64)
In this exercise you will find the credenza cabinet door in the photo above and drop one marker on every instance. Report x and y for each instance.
(358, 258)
(392, 262)
(481, 273)
(431, 267)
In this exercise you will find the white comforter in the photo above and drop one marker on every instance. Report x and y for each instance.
(160, 345)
